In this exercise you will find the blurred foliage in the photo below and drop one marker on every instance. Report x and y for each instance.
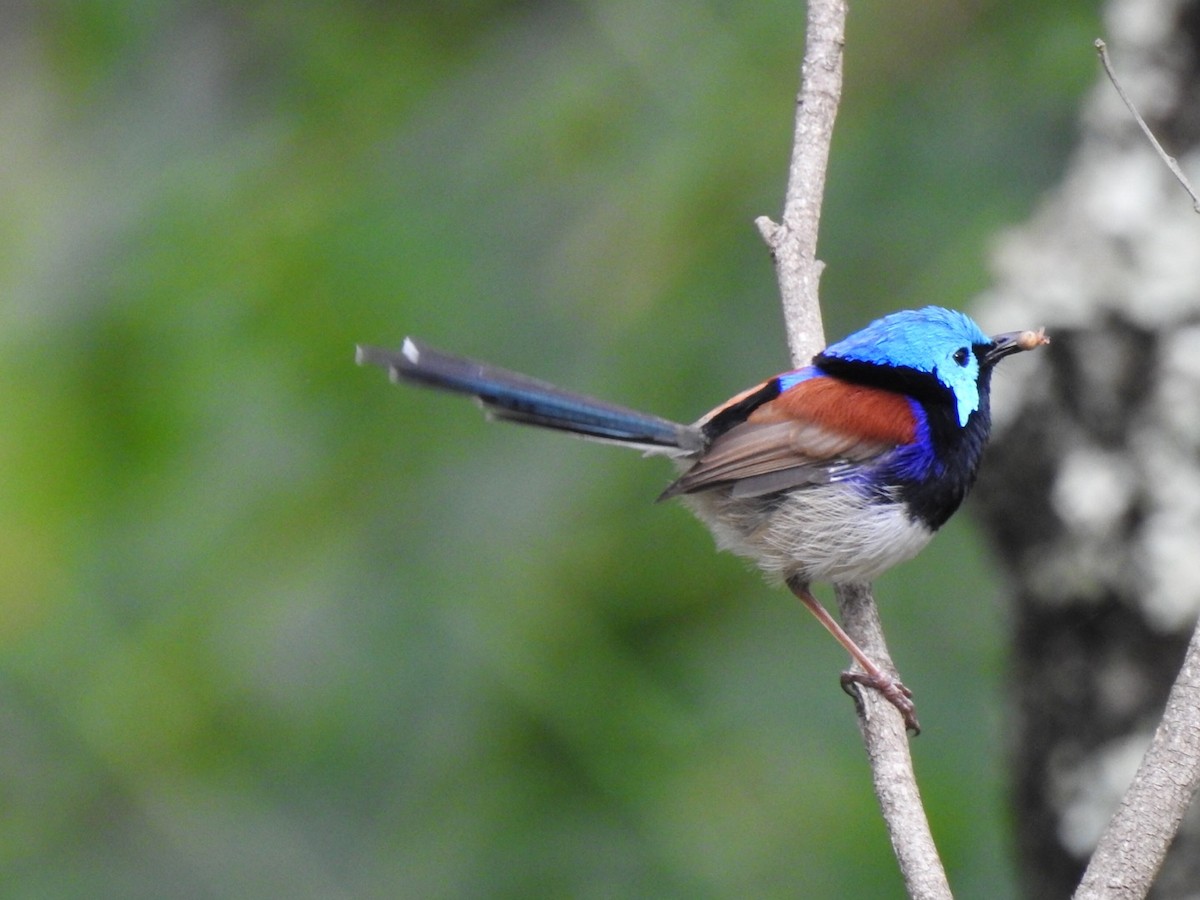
(272, 627)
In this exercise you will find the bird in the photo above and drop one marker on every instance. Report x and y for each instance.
(830, 473)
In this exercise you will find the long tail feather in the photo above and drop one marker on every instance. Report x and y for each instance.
(518, 398)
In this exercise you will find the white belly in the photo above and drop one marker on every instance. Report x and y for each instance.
(829, 533)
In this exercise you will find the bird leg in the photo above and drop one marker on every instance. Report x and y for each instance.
(871, 675)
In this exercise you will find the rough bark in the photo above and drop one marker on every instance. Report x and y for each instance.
(1092, 487)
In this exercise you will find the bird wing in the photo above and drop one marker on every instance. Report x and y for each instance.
(816, 430)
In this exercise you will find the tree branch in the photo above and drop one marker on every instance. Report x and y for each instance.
(793, 246)
(1134, 844)
(794, 243)
(1170, 161)
(891, 763)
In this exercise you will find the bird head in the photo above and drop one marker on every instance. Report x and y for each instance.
(930, 353)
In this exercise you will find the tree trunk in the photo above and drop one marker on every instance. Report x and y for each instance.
(1091, 490)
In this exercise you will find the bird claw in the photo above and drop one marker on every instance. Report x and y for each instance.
(893, 691)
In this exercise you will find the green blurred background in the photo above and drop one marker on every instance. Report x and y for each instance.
(272, 627)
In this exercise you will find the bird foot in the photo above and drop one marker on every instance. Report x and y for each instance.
(893, 691)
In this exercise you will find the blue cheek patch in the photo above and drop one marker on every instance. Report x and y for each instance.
(964, 385)
(966, 405)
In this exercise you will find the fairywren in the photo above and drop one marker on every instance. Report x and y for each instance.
(833, 472)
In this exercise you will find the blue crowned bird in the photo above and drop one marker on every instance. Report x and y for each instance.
(830, 473)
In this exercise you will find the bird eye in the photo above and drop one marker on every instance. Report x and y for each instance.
(961, 355)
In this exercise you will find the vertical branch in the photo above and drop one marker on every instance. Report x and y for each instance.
(794, 242)
(891, 763)
(793, 245)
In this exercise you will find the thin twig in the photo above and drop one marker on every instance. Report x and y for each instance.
(1135, 842)
(793, 246)
(1102, 49)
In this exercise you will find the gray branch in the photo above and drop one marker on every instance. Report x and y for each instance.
(1133, 846)
(891, 763)
(793, 246)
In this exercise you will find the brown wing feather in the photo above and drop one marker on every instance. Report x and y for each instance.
(850, 409)
(802, 437)
(752, 449)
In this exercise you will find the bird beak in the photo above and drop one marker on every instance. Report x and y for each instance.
(1013, 342)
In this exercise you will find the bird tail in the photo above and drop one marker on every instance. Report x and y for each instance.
(517, 398)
